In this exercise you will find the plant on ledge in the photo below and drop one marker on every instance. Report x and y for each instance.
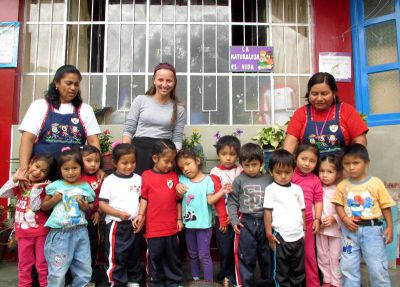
(193, 143)
(105, 141)
(270, 138)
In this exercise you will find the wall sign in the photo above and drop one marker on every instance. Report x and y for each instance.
(9, 38)
(251, 59)
(336, 63)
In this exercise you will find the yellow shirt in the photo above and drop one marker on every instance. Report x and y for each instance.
(363, 200)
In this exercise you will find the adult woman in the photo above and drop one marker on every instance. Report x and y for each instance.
(156, 115)
(325, 121)
(59, 120)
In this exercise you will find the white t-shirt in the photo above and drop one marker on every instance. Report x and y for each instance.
(121, 193)
(37, 111)
(286, 204)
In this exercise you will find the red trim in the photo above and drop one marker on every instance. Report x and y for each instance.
(236, 256)
(111, 255)
(44, 120)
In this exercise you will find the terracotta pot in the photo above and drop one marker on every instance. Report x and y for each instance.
(107, 163)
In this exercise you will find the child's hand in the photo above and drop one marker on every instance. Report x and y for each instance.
(57, 197)
(228, 221)
(83, 204)
(124, 215)
(181, 189)
(388, 235)
(138, 222)
(328, 221)
(227, 188)
(20, 175)
(349, 223)
(96, 218)
(180, 225)
(41, 184)
(315, 225)
(236, 227)
(223, 229)
(271, 240)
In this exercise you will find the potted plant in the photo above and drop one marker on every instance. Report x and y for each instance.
(105, 148)
(270, 139)
(193, 142)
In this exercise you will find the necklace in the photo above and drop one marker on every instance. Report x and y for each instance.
(319, 133)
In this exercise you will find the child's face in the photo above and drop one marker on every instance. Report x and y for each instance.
(306, 161)
(91, 163)
(251, 167)
(164, 162)
(355, 167)
(227, 156)
(71, 171)
(126, 164)
(327, 173)
(38, 171)
(189, 167)
(282, 174)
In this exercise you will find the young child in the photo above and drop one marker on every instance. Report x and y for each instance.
(29, 218)
(306, 157)
(91, 156)
(328, 237)
(67, 244)
(284, 213)
(197, 213)
(119, 200)
(247, 197)
(223, 174)
(163, 209)
(360, 201)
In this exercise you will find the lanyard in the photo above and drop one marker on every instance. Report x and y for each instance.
(319, 133)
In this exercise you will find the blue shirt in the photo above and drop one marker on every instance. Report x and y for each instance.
(66, 212)
(196, 212)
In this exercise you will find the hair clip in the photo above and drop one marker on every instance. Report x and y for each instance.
(115, 144)
(65, 148)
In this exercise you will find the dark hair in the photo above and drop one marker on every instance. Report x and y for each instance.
(357, 150)
(161, 146)
(332, 159)
(52, 95)
(228, 141)
(89, 149)
(281, 157)
(320, 78)
(121, 150)
(251, 151)
(70, 155)
(188, 153)
(51, 164)
(306, 147)
(152, 90)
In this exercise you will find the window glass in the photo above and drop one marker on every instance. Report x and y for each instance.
(181, 10)
(373, 8)
(381, 43)
(384, 92)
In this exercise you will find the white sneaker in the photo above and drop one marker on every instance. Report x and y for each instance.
(132, 284)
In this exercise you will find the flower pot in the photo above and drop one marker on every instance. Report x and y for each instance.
(267, 156)
(108, 166)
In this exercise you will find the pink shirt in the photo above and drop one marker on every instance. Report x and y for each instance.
(312, 190)
(329, 210)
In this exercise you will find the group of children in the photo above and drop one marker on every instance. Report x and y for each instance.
(270, 218)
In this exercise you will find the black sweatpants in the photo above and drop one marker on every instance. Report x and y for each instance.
(164, 262)
(289, 262)
(225, 243)
(122, 253)
(252, 246)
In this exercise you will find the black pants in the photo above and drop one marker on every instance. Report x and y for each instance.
(94, 239)
(164, 262)
(225, 243)
(289, 262)
(144, 147)
(253, 247)
(122, 253)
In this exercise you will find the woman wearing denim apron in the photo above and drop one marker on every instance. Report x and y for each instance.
(59, 120)
(325, 121)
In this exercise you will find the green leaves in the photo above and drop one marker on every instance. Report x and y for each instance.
(272, 137)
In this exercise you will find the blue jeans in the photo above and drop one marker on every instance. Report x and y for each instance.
(68, 248)
(366, 241)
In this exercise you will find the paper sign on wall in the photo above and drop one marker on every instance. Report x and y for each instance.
(9, 36)
(336, 63)
(251, 59)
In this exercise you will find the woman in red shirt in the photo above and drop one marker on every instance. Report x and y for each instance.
(325, 121)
